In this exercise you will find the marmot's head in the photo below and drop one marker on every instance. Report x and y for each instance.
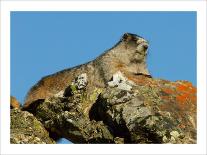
(130, 53)
(136, 47)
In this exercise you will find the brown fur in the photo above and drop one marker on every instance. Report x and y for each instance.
(126, 56)
(14, 103)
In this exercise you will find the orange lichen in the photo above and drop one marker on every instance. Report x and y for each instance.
(186, 92)
(185, 100)
(186, 87)
(193, 90)
(182, 98)
(182, 88)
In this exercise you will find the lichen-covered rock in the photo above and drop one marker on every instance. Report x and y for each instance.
(26, 129)
(81, 81)
(155, 111)
(118, 80)
(151, 111)
(77, 86)
(67, 117)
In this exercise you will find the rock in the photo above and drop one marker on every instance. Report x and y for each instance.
(78, 85)
(14, 103)
(155, 111)
(81, 81)
(152, 111)
(119, 140)
(119, 81)
(26, 129)
(67, 118)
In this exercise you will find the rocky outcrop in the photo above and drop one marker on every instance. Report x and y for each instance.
(68, 115)
(151, 111)
(112, 99)
(154, 111)
(26, 129)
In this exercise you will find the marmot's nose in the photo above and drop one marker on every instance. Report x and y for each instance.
(145, 46)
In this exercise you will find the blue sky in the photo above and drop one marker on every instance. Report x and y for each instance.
(43, 43)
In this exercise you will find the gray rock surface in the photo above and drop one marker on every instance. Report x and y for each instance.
(26, 129)
(144, 116)
(152, 111)
(81, 81)
(68, 117)
(119, 81)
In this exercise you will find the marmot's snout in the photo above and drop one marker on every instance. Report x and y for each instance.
(145, 46)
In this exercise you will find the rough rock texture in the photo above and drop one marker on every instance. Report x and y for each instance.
(152, 111)
(26, 129)
(118, 80)
(68, 116)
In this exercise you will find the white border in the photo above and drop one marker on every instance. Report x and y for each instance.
(7, 6)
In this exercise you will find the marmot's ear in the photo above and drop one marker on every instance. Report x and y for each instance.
(126, 37)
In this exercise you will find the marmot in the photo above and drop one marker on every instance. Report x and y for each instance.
(127, 56)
